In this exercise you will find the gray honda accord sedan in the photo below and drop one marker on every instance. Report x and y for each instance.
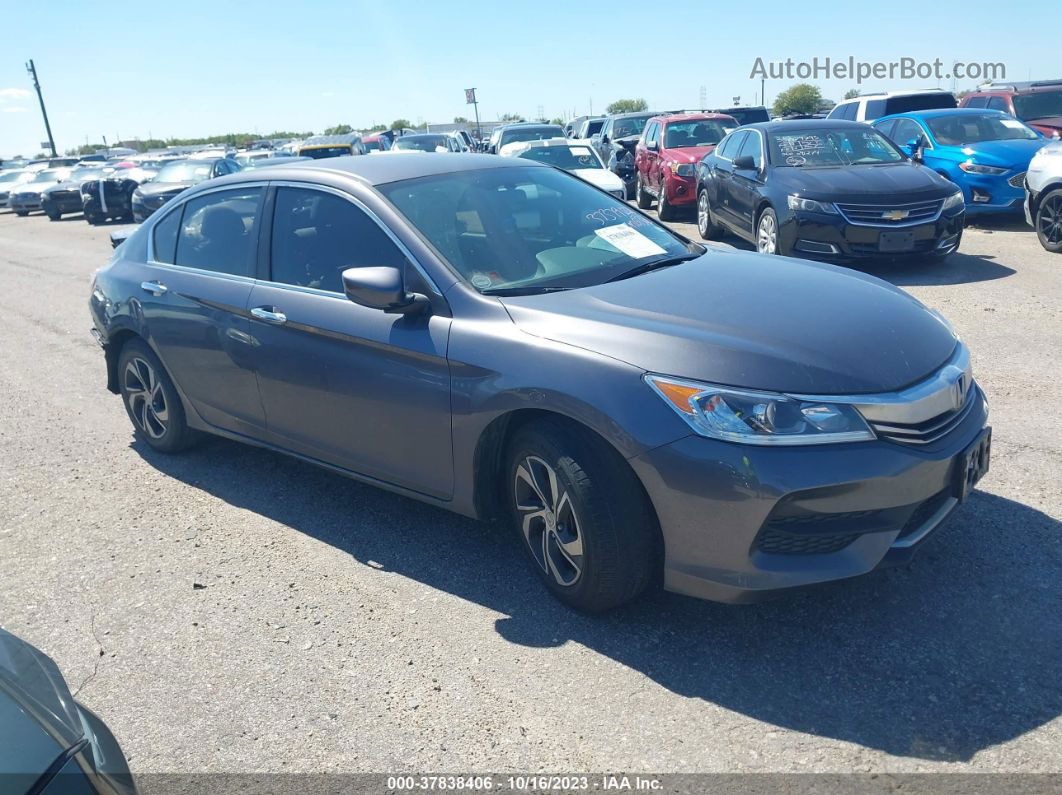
(497, 337)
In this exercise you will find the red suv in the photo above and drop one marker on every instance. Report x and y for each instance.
(667, 154)
(1038, 104)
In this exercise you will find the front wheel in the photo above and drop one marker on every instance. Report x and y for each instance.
(54, 216)
(665, 210)
(21, 213)
(151, 400)
(767, 232)
(706, 224)
(1049, 221)
(581, 516)
(644, 200)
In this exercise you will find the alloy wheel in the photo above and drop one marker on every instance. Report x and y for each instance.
(703, 213)
(1049, 220)
(549, 522)
(146, 398)
(767, 236)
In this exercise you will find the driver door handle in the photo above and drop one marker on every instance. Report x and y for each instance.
(268, 314)
(155, 288)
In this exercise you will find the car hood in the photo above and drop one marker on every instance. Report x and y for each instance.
(34, 187)
(1048, 123)
(886, 182)
(690, 154)
(749, 320)
(601, 177)
(1008, 154)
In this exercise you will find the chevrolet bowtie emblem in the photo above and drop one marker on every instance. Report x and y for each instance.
(895, 215)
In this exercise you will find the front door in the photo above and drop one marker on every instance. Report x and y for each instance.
(352, 386)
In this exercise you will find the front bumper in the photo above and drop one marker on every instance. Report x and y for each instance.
(24, 202)
(832, 238)
(65, 202)
(680, 190)
(986, 193)
(742, 523)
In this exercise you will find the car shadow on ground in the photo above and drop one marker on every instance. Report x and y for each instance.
(956, 653)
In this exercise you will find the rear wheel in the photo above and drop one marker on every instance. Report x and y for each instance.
(93, 218)
(21, 213)
(644, 200)
(1049, 221)
(705, 222)
(54, 216)
(665, 211)
(581, 515)
(151, 400)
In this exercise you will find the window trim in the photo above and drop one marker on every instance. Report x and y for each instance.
(268, 248)
(718, 150)
(764, 163)
(181, 207)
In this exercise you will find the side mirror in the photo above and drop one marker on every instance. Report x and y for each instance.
(744, 163)
(914, 148)
(382, 288)
(652, 146)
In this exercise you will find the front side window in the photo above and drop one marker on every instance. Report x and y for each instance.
(650, 132)
(972, 128)
(707, 132)
(318, 235)
(218, 232)
(731, 145)
(1038, 105)
(751, 148)
(906, 132)
(529, 229)
(836, 147)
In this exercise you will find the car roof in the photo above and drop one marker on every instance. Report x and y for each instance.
(634, 113)
(385, 167)
(802, 124)
(692, 116)
(907, 92)
(937, 112)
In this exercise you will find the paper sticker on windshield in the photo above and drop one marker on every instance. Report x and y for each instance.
(1014, 124)
(202, 171)
(580, 151)
(629, 241)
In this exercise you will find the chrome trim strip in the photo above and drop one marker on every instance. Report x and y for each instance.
(884, 207)
(930, 525)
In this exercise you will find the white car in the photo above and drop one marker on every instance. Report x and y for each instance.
(576, 158)
(1043, 196)
(873, 106)
(11, 179)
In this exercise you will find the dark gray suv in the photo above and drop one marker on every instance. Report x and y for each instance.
(494, 336)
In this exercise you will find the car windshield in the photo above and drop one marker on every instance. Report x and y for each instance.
(374, 146)
(971, 128)
(831, 147)
(529, 228)
(51, 175)
(1040, 105)
(11, 176)
(707, 132)
(633, 125)
(529, 134)
(748, 115)
(86, 173)
(320, 152)
(566, 157)
(421, 143)
(184, 171)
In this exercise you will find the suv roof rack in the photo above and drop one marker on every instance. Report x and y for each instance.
(1015, 85)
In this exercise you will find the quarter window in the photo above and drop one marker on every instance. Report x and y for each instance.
(166, 236)
(318, 235)
(218, 232)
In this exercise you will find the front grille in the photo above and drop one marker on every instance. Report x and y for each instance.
(923, 513)
(780, 542)
(891, 214)
(929, 430)
(1017, 181)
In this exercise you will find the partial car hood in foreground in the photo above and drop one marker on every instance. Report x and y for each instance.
(744, 319)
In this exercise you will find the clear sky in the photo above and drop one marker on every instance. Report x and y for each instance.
(189, 68)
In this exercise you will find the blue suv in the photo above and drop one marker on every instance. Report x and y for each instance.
(984, 152)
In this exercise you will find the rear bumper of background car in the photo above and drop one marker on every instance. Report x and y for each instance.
(742, 523)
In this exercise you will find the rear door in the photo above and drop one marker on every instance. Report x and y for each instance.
(193, 299)
(342, 383)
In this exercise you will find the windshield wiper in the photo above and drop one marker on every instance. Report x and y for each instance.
(529, 290)
(645, 267)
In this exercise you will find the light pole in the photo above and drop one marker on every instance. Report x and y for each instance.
(32, 70)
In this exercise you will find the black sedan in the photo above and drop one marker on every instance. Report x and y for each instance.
(826, 189)
(174, 178)
(65, 197)
(49, 743)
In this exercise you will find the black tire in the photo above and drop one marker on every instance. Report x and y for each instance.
(665, 211)
(1049, 221)
(151, 401)
(706, 225)
(767, 216)
(21, 213)
(644, 200)
(54, 216)
(92, 219)
(600, 508)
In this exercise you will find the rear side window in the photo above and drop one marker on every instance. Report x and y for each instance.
(219, 230)
(318, 235)
(166, 236)
(875, 109)
(912, 102)
(975, 102)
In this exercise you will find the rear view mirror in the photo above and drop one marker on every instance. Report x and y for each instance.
(381, 288)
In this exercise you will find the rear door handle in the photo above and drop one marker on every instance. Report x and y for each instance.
(155, 288)
(268, 315)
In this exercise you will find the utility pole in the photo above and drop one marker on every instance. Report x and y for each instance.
(32, 70)
(763, 95)
(470, 99)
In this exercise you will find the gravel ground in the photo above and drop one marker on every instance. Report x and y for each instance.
(234, 610)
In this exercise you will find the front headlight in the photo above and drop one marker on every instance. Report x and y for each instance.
(977, 168)
(681, 169)
(953, 201)
(811, 206)
(763, 418)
